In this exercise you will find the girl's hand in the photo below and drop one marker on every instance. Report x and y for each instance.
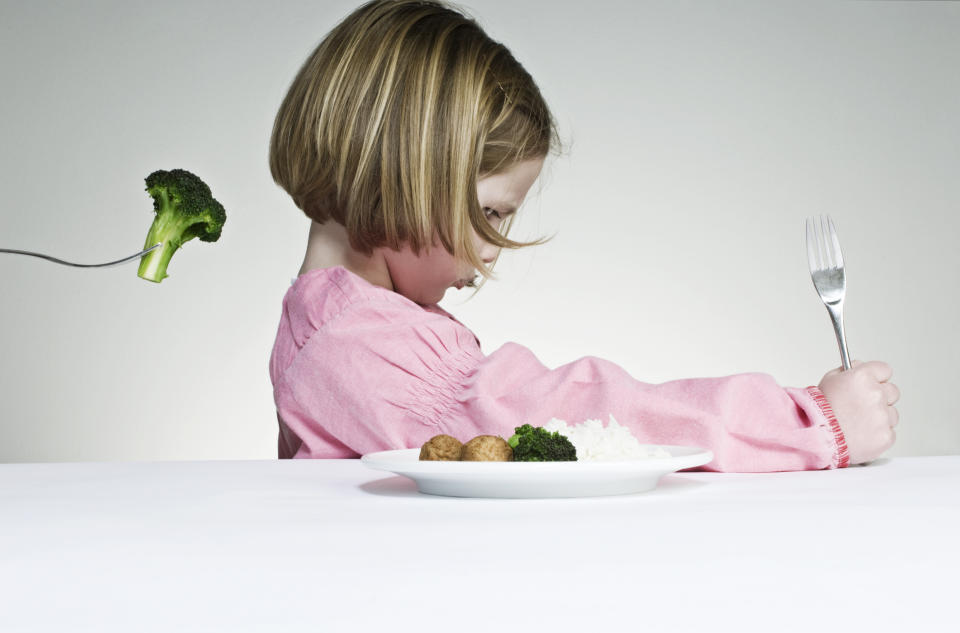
(862, 399)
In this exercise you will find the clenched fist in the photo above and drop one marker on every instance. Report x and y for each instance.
(862, 399)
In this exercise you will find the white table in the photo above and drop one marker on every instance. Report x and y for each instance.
(334, 546)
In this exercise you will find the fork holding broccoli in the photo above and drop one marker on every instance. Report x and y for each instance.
(185, 209)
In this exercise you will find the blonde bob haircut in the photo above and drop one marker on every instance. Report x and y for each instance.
(396, 115)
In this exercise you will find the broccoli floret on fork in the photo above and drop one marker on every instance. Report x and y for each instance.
(185, 209)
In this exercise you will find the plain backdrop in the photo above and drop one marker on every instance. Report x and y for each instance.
(699, 137)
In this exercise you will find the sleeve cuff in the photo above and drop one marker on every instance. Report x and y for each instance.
(841, 456)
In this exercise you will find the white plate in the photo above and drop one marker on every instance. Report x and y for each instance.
(536, 479)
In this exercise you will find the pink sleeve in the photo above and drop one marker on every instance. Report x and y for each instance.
(749, 422)
(375, 385)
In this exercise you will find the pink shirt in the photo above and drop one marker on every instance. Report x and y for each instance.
(357, 368)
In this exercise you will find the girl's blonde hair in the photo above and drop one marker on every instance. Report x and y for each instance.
(393, 119)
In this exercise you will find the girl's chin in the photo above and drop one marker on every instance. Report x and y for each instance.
(427, 297)
(431, 298)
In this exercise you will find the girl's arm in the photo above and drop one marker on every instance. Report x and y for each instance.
(395, 379)
(751, 423)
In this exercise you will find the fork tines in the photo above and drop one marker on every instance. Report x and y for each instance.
(823, 253)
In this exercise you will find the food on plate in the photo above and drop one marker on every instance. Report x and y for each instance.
(185, 209)
(537, 444)
(442, 448)
(596, 443)
(487, 448)
(555, 441)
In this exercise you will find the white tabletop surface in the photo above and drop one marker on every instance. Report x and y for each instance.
(334, 546)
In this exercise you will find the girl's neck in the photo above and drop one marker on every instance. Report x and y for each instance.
(329, 246)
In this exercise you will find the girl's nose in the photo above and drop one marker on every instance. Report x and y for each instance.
(489, 253)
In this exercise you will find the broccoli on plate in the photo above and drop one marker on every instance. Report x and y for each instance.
(185, 209)
(536, 444)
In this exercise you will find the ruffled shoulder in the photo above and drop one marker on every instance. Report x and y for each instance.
(320, 296)
(374, 370)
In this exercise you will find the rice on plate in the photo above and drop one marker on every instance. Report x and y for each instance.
(596, 443)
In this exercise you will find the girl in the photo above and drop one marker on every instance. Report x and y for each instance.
(409, 138)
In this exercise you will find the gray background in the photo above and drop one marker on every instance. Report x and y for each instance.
(701, 135)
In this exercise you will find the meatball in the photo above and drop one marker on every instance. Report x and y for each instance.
(487, 448)
(441, 448)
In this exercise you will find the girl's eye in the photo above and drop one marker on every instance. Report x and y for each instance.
(492, 213)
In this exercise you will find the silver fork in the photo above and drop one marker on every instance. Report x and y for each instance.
(826, 269)
(55, 260)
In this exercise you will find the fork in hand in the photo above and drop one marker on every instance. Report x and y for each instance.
(826, 269)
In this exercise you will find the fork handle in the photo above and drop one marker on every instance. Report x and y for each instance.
(836, 315)
(65, 263)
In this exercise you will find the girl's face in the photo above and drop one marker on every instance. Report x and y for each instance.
(424, 279)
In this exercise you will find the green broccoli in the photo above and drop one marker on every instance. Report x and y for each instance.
(536, 444)
(185, 209)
